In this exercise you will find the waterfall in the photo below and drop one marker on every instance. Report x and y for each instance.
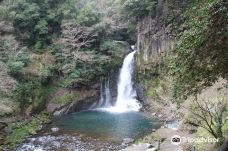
(126, 99)
(102, 97)
(126, 96)
(105, 95)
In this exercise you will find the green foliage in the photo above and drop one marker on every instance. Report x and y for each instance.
(110, 46)
(138, 8)
(66, 98)
(87, 16)
(4, 12)
(30, 92)
(81, 75)
(21, 130)
(37, 21)
(23, 93)
(23, 56)
(15, 67)
(201, 54)
(17, 60)
(69, 10)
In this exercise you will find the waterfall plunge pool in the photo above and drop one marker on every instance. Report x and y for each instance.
(98, 129)
(106, 125)
(90, 130)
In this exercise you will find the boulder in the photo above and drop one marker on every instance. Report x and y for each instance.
(127, 141)
(54, 129)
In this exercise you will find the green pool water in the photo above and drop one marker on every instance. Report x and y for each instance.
(106, 124)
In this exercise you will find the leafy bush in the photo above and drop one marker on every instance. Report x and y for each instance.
(15, 67)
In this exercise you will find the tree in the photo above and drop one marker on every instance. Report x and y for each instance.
(37, 21)
(210, 115)
(74, 38)
(87, 16)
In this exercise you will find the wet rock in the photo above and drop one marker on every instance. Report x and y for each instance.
(83, 101)
(154, 114)
(60, 111)
(51, 107)
(160, 115)
(82, 104)
(66, 142)
(152, 149)
(7, 130)
(3, 125)
(55, 129)
(127, 141)
(140, 147)
(141, 93)
(40, 127)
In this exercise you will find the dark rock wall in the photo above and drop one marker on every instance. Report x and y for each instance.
(157, 32)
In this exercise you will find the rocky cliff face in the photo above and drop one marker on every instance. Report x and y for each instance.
(157, 32)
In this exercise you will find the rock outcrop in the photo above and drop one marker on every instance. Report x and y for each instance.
(157, 32)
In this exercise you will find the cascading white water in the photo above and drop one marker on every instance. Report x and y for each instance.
(126, 98)
(105, 94)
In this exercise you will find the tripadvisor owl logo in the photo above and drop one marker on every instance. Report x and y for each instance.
(176, 140)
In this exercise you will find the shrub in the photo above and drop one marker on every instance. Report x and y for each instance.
(15, 67)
